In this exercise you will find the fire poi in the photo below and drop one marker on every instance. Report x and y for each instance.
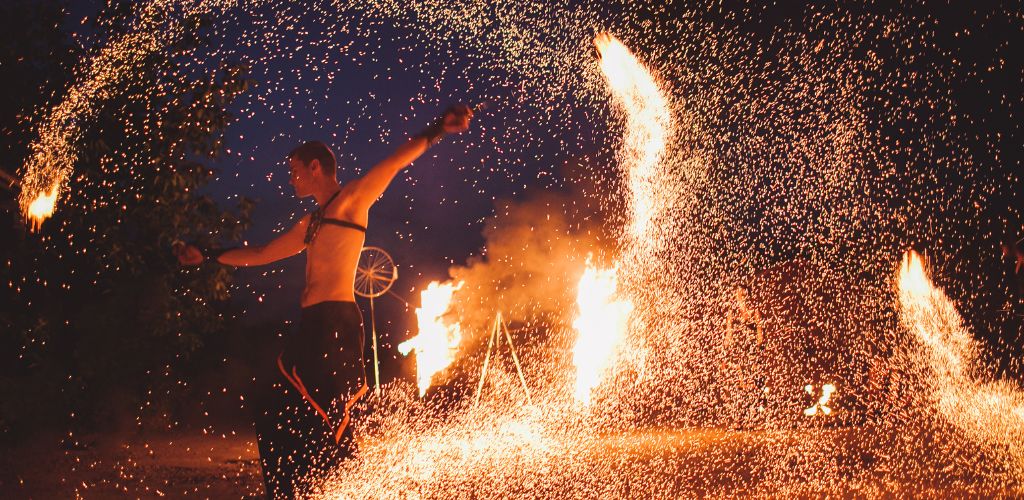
(621, 382)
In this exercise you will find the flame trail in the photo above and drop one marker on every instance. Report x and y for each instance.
(989, 412)
(436, 342)
(48, 169)
(648, 126)
(601, 326)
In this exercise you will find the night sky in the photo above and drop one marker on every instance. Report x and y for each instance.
(363, 94)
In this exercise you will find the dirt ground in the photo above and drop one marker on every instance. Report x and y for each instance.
(184, 464)
(196, 464)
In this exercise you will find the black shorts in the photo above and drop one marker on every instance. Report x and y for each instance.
(303, 422)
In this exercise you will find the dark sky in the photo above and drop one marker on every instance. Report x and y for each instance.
(432, 215)
(364, 86)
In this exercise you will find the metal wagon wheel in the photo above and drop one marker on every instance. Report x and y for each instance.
(375, 274)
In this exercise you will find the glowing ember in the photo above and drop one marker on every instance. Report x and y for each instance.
(822, 404)
(436, 342)
(601, 325)
(41, 208)
(648, 126)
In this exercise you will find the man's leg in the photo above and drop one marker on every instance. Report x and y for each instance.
(275, 440)
(296, 444)
(320, 371)
(352, 372)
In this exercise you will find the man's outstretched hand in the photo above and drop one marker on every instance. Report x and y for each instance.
(188, 255)
(456, 119)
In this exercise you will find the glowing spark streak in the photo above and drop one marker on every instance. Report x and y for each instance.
(992, 413)
(53, 155)
(436, 342)
(601, 326)
(648, 125)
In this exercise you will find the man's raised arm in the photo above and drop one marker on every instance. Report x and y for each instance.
(285, 245)
(376, 181)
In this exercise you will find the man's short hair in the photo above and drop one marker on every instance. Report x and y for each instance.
(315, 150)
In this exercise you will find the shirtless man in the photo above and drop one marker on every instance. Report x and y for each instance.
(303, 425)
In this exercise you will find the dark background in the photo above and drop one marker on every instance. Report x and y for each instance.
(953, 158)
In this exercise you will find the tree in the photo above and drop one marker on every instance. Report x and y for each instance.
(100, 311)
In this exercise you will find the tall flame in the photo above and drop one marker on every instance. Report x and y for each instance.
(601, 325)
(41, 208)
(648, 126)
(989, 412)
(650, 178)
(436, 342)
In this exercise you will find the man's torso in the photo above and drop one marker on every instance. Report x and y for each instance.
(332, 255)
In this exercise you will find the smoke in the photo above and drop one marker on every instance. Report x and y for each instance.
(534, 255)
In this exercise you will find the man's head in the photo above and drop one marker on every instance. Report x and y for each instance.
(311, 165)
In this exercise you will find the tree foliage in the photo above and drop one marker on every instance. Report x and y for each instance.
(98, 311)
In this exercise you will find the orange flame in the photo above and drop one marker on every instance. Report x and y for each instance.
(601, 325)
(822, 404)
(436, 342)
(41, 208)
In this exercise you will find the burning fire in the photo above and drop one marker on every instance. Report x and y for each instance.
(601, 325)
(822, 404)
(991, 412)
(436, 342)
(648, 125)
(41, 208)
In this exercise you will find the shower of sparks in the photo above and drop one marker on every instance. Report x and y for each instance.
(648, 127)
(47, 172)
(740, 158)
(990, 412)
(601, 326)
(437, 339)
